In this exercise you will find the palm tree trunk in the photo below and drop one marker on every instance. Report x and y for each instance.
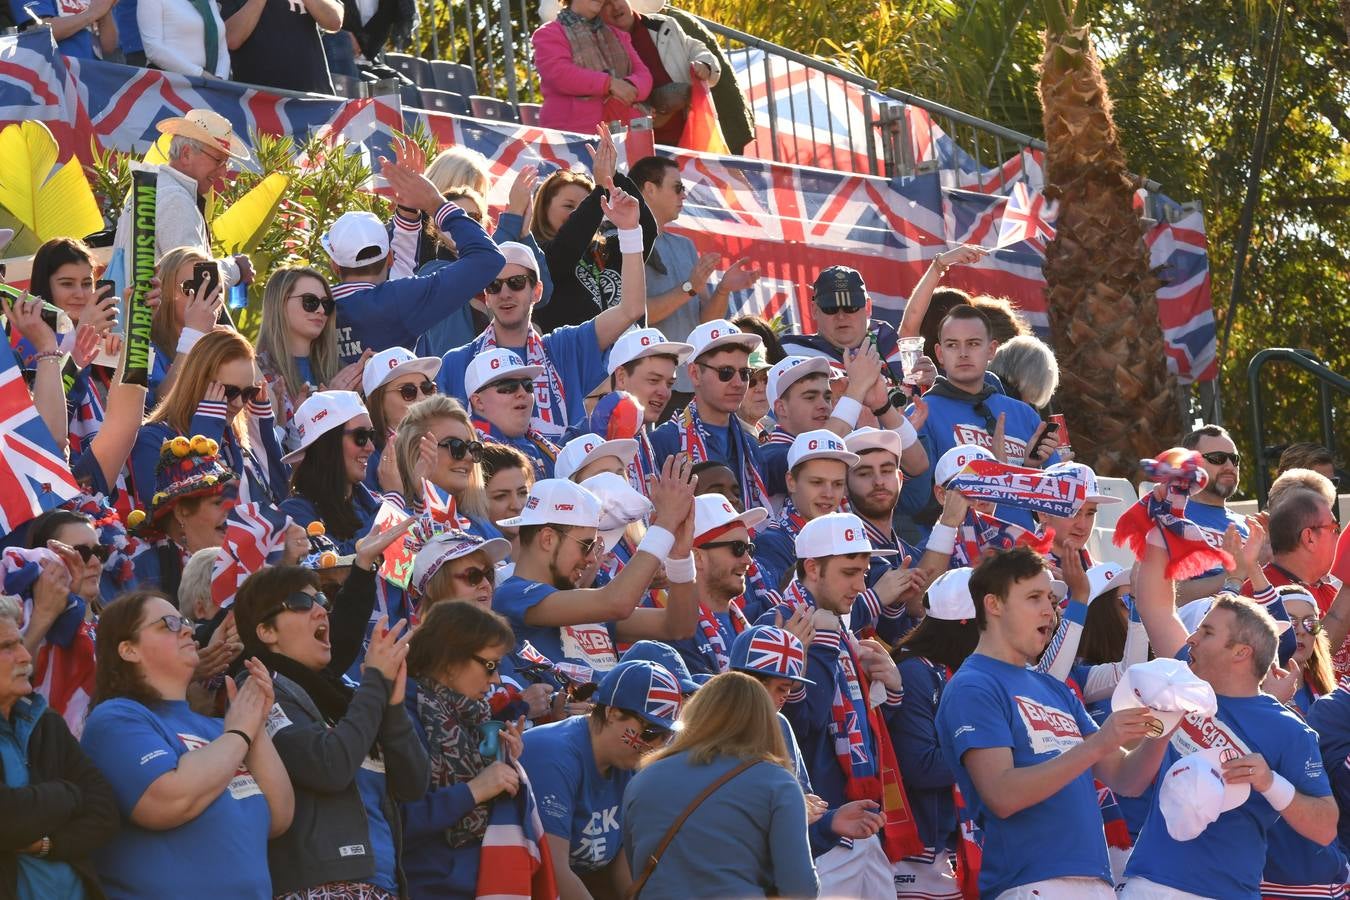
(1118, 395)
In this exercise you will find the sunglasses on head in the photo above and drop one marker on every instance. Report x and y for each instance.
(363, 436)
(409, 391)
(458, 448)
(511, 385)
(726, 373)
(233, 392)
(311, 303)
(89, 551)
(475, 576)
(174, 623)
(300, 601)
(1219, 457)
(515, 283)
(738, 548)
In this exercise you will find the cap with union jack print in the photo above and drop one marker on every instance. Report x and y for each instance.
(766, 650)
(644, 688)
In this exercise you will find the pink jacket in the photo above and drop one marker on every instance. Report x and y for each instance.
(573, 96)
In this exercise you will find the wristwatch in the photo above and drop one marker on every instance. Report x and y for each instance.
(688, 288)
(44, 847)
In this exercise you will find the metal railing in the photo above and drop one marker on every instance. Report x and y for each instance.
(1327, 380)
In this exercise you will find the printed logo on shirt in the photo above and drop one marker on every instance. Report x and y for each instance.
(552, 807)
(593, 848)
(966, 728)
(242, 785)
(71, 7)
(1312, 768)
(1049, 730)
(1199, 732)
(352, 850)
(276, 720)
(590, 643)
(964, 433)
(152, 755)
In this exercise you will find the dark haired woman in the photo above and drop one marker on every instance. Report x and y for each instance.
(200, 797)
(336, 443)
(350, 749)
(453, 663)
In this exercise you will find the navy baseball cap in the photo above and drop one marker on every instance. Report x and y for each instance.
(766, 650)
(643, 688)
(839, 287)
(663, 655)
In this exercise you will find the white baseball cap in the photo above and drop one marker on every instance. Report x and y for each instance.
(949, 596)
(956, 459)
(1087, 476)
(449, 545)
(557, 501)
(860, 440)
(519, 254)
(1166, 686)
(494, 365)
(356, 239)
(581, 451)
(835, 534)
(1193, 794)
(639, 342)
(389, 364)
(790, 370)
(621, 505)
(714, 513)
(720, 333)
(1104, 577)
(320, 414)
(819, 444)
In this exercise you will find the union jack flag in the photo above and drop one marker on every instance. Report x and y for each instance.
(857, 746)
(254, 532)
(515, 862)
(528, 653)
(1179, 255)
(440, 509)
(1027, 216)
(776, 652)
(34, 476)
(663, 695)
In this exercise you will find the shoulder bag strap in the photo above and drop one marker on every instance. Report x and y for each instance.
(661, 848)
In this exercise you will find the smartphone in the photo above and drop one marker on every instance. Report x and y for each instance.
(1050, 428)
(104, 287)
(205, 278)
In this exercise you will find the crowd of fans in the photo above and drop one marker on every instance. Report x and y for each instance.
(487, 518)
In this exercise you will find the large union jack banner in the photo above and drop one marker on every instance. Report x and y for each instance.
(790, 220)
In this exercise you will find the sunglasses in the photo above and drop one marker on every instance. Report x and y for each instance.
(1218, 458)
(836, 310)
(515, 283)
(726, 373)
(475, 577)
(362, 436)
(655, 735)
(489, 664)
(311, 303)
(680, 189)
(298, 602)
(175, 623)
(88, 552)
(511, 385)
(234, 392)
(409, 391)
(458, 448)
(587, 547)
(1308, 624)
(738, 549)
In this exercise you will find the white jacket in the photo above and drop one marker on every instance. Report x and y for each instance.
(175, 37)
(178, 222)
(679, 51)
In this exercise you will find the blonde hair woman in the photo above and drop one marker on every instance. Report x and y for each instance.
(436, 441)
(757, 817)
(179, 310)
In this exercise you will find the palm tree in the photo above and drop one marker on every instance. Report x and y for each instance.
(1099, 290)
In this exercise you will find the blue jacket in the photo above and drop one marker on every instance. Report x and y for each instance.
(302, 511)
(928, 780)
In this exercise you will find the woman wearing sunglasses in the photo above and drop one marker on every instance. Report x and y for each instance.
(350, 748)
(219, 396)
(330, 468)
(453, 664)
(392, 381)
(200, 797)
(181, 318)
(436, 442)
(456, 565)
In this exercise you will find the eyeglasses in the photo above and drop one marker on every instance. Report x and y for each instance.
(474, 577)
(409, 391)
(300, 601)
(217, 160)
(362, 436)
(679, 188)
(311, 303)
(511, 385)
(1308, 624)
(738, 549)
(489, 664)
(515, 283)
(587, 547)
(1333, 526)
(726, 373)
(233, 392)
(89, 551)
(174, 623)
(1218, 458)
(458, 448)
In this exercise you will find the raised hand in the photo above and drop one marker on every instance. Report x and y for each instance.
(961, 256)
(201, 313)
(387, 651)
(373, 545)
(427, 453)
(605, 157)
(741, 276)
(87, 341)
(620, 207)
(919, 415)
(800, 624)
(348, 378)
(101, 314)
(25, 314)
(412, 189)
(521, 198)
(863, 368)
(672, 492)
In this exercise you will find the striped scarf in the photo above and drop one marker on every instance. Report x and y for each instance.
(694, 444)
(718, 640)
(550, 398)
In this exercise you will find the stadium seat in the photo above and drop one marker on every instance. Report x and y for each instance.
(492, 108)
(349, 87)
(411, 95)
(445, 101)
(1145, 487)
(414, 68)
(1103, 550)
(529, 113)
(454, 77)
(1108, 514)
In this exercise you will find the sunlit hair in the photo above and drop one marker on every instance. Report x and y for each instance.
(497, 457)
(460, 167)
(214, 350)
(1252, 626)
(163, 329)
(1298, 455)
(1005, 320)
(1297, 510)
(547, 191)
(730, 716)
(1317, 671)
(1291, 480)
(441, 585)
(451, 633)
(274, 345)
(195, 583)
(407, 444)
(121, 621)
(1025, 364)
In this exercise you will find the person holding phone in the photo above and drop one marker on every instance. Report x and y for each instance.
(186, 313)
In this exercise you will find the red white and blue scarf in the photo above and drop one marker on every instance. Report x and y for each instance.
(694, 444)
(550, 397)
(980, 532)
(716, 635)
(1049, 493)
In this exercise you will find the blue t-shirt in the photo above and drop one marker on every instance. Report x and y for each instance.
(589, 644)
(370, 784)
(1215, 520)
(79, 45)
(1330, 717)
(1228, 857)
(576, 802)
(989, 703)
(225, 847)
(574, 350)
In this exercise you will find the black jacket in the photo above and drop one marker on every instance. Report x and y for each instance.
(67, 800)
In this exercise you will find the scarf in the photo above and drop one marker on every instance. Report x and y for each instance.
(452, 723)
(718, 640)
(694, 444)
(644, 463)
(210, 34)
(1048, 493)
(1191, 550)
(790, 520)
(545, 448)
(328, 691)
(981, 532)
(778, 436)
(595, 45)
(550, 398)
(862, 742)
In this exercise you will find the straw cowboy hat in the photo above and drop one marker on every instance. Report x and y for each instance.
(210, 128)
